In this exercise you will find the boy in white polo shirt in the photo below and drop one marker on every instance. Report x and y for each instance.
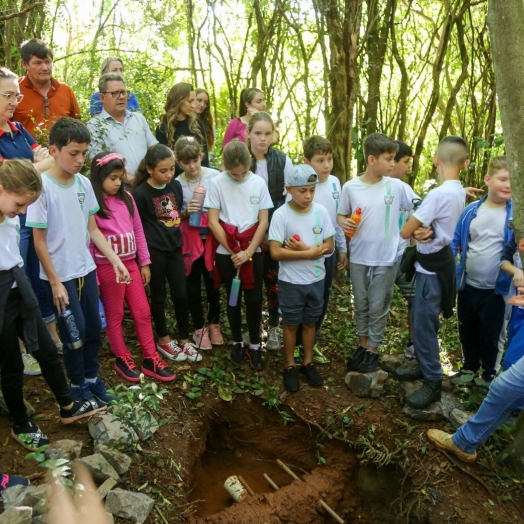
(374, 246)
(300, 234)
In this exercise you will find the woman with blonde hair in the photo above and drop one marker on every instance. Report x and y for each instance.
(179, 120)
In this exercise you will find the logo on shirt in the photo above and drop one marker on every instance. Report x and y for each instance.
(166, 210)
(254, 200)
(336, 195)
(317, 230)
(388, 199)
(81, 198)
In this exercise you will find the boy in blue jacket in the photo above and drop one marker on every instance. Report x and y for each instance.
(481, 234)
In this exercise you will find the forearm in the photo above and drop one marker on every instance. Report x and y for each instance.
(219, 234)
(279, 252)
(257, 237)
(99, 240)
(44, 165)
(39, 236)
(509, 268)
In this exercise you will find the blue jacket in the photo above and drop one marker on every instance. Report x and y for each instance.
(461, 239)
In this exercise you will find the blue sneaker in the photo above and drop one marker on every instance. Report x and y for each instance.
(83, 392)
(99, 391)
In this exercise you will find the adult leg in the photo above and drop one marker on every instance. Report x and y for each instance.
(468, 314)
(176, 277)
(380, 293)
(158, 297)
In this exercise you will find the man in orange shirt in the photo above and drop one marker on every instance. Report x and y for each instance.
(45, 98)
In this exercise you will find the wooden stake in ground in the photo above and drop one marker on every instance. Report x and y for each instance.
(337, 517)
(246, 485)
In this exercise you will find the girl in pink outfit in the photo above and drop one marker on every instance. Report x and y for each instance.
(119, 221)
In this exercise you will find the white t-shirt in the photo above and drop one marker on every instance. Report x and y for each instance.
(188, 188)
(441, 209)
(262, 169)
(485, 246)
(376, 240)
(327, 194)
(313, 227)
(64, 211)
(10, 256)
(405, 215)
(238, 201)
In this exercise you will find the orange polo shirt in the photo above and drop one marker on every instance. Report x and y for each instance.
(37, 114)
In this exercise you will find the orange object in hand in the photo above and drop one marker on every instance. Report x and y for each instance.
(356, 217)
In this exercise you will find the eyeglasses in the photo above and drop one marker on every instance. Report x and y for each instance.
(117, 94)
(12, 97)
(45, 105)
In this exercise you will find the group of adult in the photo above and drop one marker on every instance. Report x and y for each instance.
(31, 104)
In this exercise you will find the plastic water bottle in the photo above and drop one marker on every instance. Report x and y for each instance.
(356, 217)
(198, 195)
(102, 313)
(458, 256)
(69, 329)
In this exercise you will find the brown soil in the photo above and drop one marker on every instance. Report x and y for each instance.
(197, 447)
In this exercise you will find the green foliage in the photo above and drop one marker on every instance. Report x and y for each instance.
(57, 467)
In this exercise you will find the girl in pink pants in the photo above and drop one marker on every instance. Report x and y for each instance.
(119, 221)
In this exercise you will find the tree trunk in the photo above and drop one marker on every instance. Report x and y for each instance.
(506, 25)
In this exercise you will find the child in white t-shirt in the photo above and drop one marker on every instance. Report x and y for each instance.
(435, 267)
(63, 223)
(301, 233)
(374, 247)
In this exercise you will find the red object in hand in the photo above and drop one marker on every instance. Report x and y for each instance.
(297, 237)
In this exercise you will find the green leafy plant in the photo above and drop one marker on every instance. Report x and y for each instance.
(57, 467)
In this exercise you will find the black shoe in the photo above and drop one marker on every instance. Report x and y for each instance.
(355, 361)
(464, 372)
(424, 396)
(313, 377)
(291, 382)
(85, 408)
(413, 373)
(255, 359)
(369, 362)
(237, 354)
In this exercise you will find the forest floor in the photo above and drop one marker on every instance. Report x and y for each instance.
(364, 457)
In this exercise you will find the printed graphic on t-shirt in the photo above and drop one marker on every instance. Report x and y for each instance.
(317, 230)
(255, 200)
(388, 199)
(336, 195)
(81, 199)
(166, 210)
(123, 244)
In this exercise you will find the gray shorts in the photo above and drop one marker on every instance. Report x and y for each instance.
(407, 289)
(300, 303)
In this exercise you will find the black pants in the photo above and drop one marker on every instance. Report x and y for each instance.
(252, 298)
(271, 283)
(481, 315)
(194, 294)
(169, 266)
(12, 366)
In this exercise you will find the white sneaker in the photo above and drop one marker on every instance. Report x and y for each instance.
(31, 366)
(172, 350)
(274, 338)
(191, 353)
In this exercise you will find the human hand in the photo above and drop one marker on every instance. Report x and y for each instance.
(252, 111)
(60, 296)
(342, 261)
(86, 506)
(473, 192)
(145, 271)
(316, 251)
(295, 244)
(518, 278)
(40, 153)
(122, 274)
(423, 234)
(349, 225)
(239, 258)
(193, 207)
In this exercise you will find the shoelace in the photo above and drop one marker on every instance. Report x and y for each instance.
(172, 344)
(128, 361)
(5, 481)
(190, 350)
(159, 363)
(30, 359)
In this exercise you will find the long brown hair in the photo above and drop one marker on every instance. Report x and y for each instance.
(207, 119)
(177, 94)
(154, 155)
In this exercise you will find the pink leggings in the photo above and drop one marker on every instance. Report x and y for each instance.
(113, 296)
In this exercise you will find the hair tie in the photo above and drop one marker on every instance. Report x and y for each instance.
(106, 159)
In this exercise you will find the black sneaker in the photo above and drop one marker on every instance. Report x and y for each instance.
(255, 359)
(411, 373)
(80, 409)
(424, 396)
(29, 436)
(8, 481)
(369, 362)
(291, 382)
(313, 377)
(237, 354)
(355, 361)
(126, 367)
(155, 367)
(100, 391)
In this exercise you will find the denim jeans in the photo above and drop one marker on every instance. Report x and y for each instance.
(515, 349)
(426, 323)
(32, 269)
(82, 363)
(506, 393)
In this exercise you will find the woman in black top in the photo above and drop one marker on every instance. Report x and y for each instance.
(180, 120)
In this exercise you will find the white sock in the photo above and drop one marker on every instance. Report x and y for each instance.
(254, 346)
(91, 380)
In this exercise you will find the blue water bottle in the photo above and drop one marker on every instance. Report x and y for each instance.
(198, 195)
(102, 313)
(69, 329)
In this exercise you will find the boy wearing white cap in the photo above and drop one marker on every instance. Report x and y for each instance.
(301, 233)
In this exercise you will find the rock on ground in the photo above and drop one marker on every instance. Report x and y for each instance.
(106, 487)
(129, 505)
(63, 449)
(432, 412)
(120, 461)
(16, 515)
(107, 429)
(100, 468)
(366, 384)
(390, 363)
(146, 425)
(458, 417)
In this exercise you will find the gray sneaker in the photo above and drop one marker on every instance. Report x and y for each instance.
(274, 338)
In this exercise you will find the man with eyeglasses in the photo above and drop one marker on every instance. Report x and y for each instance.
(118, 129)
(45, 98)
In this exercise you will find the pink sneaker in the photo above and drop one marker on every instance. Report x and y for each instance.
(201, 338)
(216, 335)
(172, 350)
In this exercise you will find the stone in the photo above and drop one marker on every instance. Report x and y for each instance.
(449, 403)
(100, 468)
(120, 461)
(146, 426)
(391, 362)
(128, 505)
(16, 515)
(14, 495)
(63, 449)
(431, 413)
(37, 499)
(458, 417)
(107, 429)
(408, 387)
(3, 406)
(106, 487)
(39, 520)
(366, 384)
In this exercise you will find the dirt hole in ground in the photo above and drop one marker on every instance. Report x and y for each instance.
(245, 439)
